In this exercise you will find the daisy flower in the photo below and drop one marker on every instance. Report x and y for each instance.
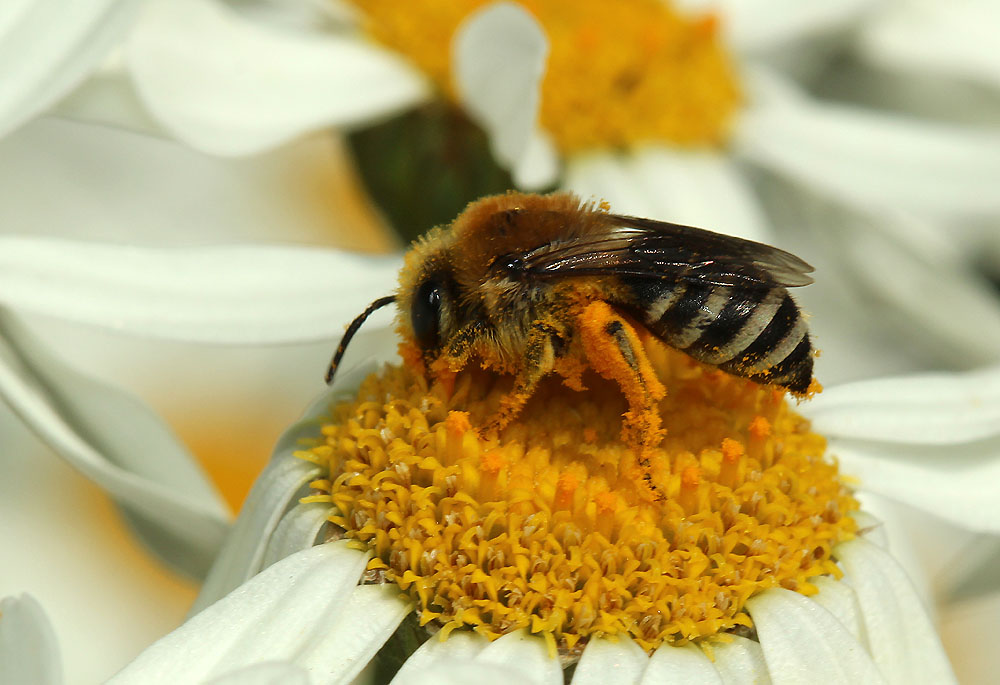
(552, 561)
(889, 444)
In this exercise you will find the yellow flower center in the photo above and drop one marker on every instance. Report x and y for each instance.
(552, 526)
(619, 73)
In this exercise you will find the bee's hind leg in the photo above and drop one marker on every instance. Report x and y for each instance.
(615, 352)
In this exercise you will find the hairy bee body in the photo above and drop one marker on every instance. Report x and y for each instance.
(531, 285)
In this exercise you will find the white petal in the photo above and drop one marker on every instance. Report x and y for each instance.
(370, 617)
(839, 599)
(119, 444)
(963, 629)
(538, 167)
(931, 409)
(871, 528)
(278, 613)
(461, 645)
(228, 86)
(956, 483)
(242, 554)
(763, 25)
(604, 176)
(801, 639)
(498, 60)
(29, 651)
(270, 673)
(525, 653)
(686, 664)
(606, 660)
(280, 485)
(874, 159)
(954, 39)
(297, 530)
(704, 189)
(913, 290)
(740, 661)
(903, 642)
(47, 47)
(240, 294)
(458, 672)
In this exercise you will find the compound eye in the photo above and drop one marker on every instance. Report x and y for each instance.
(426, 315)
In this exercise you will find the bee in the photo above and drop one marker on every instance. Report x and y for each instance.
(532, 285)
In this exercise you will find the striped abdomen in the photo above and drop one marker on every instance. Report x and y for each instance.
(757, 333)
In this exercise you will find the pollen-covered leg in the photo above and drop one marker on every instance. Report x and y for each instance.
(539, 360)
(614, 350)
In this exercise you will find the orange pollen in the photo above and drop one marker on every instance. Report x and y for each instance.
(760, 428)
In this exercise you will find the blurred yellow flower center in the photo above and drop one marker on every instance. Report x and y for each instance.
(552, 527)
(618, 74)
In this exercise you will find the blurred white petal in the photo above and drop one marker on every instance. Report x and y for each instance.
(687, 664)
(607, 660)
(29, 651)
(267, 673)
(892, 276)
(902, 640)
(498, 60)
(605, 176)
(762, 25)
(703, 189)
(115, 441)
(740, 661)
(272, 617)
(369, 617)
(696, 188)
(927, 409)
(461, 645)
(538, 167)
(964, 627)
(956, 39)
(528, 654)
(238, 294)
(801, 639)
(874, 159)
(229, 86)
(47, 47)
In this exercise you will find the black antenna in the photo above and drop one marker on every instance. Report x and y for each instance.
(351, 330)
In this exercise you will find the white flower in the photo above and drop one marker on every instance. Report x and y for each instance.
(897, 449)
(303, 607)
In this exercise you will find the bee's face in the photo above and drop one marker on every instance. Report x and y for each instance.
(427, 296)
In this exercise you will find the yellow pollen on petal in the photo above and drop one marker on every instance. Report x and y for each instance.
(619, 74)
(549, 527)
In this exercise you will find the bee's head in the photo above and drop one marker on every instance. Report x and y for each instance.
(429, 313)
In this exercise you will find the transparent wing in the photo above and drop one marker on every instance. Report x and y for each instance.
(657, 249)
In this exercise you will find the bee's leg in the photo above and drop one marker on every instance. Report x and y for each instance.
(456, 354)
(545, 339)
(614, 350)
